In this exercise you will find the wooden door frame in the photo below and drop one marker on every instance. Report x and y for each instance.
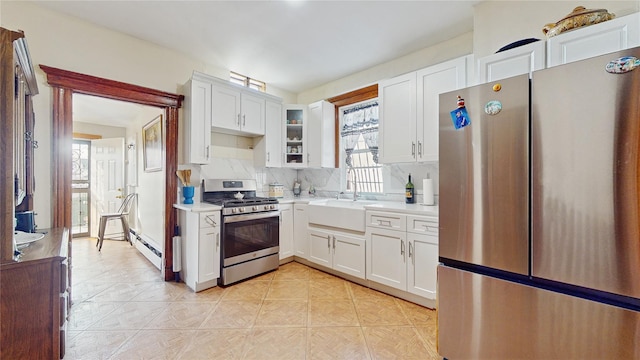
(64, 84)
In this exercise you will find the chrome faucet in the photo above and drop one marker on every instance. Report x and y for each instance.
(355, 182)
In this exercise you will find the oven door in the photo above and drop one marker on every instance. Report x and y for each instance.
(250, 236)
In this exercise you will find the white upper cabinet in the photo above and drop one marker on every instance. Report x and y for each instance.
(295, 135)
(309, 135)
(253, 114)
(268, 148)
(409, 111)
(226, 108)
(215, 105)
(397, 111)
(321, 143)
(433, 81)
(517, 61)
(605, 37)
(197, 129)
(237, 111)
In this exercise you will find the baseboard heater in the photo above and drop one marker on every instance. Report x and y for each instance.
(147, 249)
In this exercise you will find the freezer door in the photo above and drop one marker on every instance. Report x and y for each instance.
(481, 317)
(586, 177)
(484, 178)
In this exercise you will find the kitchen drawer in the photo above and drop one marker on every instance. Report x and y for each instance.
(209, 219)
(422, 225)
(383, 220)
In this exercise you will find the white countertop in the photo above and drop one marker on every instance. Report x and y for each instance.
(197, 207)
(382, 205)
(390, 206)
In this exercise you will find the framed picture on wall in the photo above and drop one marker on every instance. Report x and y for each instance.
(152, 145)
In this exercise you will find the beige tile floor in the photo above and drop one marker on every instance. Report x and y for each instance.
(123, 310)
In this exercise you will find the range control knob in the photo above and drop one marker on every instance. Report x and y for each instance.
(241, 209)
(234, 210)
(272, 207)
(266, 207)
(255, 208)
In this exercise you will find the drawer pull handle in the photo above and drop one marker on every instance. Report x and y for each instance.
(413, 259)
(382, 222)
(210, 220)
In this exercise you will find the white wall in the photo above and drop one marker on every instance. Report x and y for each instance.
(148, 215)
(458, 46)
(105, 131)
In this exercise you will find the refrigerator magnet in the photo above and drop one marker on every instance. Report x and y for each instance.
(460, 117)
(622, 65)
(493, 107)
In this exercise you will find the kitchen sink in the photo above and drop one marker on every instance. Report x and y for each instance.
(339, 213)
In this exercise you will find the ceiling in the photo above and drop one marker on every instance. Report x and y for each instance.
(103, 111)
(294, 45)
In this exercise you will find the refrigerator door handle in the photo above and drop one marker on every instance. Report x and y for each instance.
(402, 248)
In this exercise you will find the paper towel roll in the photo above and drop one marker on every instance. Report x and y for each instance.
(427, 186)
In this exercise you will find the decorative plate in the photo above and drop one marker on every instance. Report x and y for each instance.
(580, 16)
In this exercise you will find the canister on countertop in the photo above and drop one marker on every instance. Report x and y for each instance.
(276, 190)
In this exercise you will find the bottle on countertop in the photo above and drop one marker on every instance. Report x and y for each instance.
(410, 192)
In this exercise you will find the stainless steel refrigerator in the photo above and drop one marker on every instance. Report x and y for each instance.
(540, 215)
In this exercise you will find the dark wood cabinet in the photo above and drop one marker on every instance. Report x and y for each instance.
(18, 86)
(34, 300)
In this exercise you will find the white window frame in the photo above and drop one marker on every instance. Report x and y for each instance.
(246, 81)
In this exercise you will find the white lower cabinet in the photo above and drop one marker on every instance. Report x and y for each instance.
(387, 257)
(286, 231)
(423, 265)
(300, 232)
(339, 251)
(402, 252)
(200, 247)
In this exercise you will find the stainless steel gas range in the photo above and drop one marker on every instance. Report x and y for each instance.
(250, 229)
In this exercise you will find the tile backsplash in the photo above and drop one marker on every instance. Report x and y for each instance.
(325, 181)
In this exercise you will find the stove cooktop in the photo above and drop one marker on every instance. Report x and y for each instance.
(242, 202)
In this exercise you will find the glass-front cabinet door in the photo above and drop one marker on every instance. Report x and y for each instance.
(295, 119)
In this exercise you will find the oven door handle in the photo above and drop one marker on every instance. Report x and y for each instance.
(263, 215)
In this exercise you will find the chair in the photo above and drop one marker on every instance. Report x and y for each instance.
(122, 214)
